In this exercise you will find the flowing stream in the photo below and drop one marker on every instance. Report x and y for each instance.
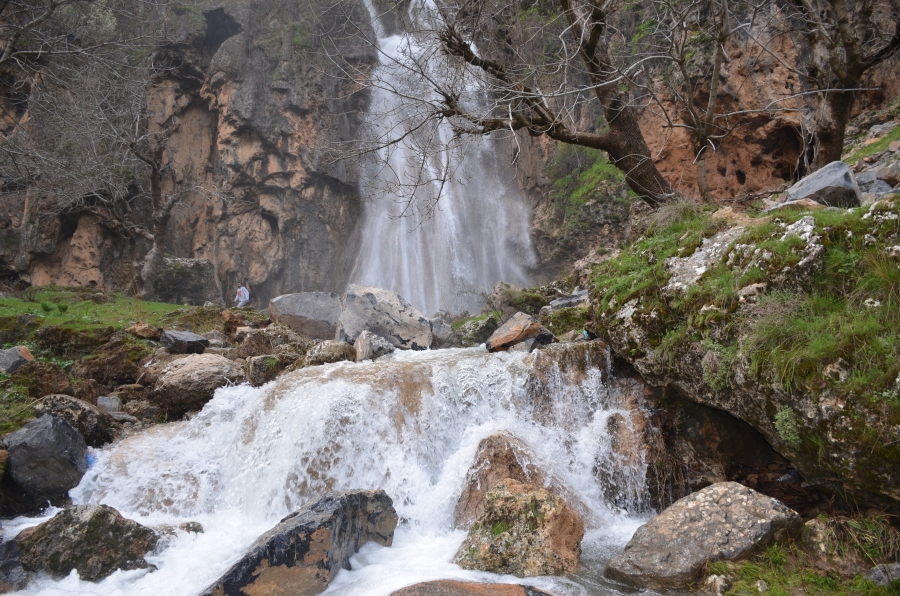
(409, 423)
(444, 220)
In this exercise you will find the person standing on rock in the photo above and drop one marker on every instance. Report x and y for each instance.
(243, 296)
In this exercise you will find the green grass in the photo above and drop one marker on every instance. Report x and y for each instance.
(73, 308)
(876, 147)
(456, 325)
(566, 319)
(15, 405)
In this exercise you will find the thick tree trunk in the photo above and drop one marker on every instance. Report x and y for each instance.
(153, 262)
(832, 117)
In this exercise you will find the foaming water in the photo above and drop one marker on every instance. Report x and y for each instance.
(445, 220)
(409, 423)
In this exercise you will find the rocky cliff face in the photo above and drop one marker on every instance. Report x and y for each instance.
(253, 98)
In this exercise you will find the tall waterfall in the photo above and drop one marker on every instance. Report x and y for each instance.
(410, 424)
(444, 220)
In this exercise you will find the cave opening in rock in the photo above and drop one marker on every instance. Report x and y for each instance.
(219, 26)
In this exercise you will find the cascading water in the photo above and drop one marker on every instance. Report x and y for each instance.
(438, 254)
(410, 424)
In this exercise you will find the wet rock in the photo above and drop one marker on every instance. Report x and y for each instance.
(477, 332)
(386, 314)
(519, 328)
(145, 331)
(261, 342)
(330, 351)
(369, 346)
(109, 403)
(524, 531)
(725, 521)
(191, 527)
(450, 587)
(47, 457)
(883, 575)
(313, 314)
(12, 575)
(833, 185)
(96, 426)
(259, 370)
(498, 457)
(14, 358)
(42, 378)
(444, 335)
(95, 540)
(576, 298)
(303, 553)
(183, 342)
(188, 383)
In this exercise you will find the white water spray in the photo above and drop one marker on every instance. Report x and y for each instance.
(444, 221)
(409, 424)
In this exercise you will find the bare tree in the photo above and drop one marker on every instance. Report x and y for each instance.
(848, 38)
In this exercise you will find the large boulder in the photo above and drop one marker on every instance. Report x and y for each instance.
(384, 313)
(302, 554)
(450, 587)
(96, 426)
(524, 531)
(444, 335)
(95, 540)
(313, 314)
(369, 346)
(187, 281)
(47, 457)
(183, 342)
(330, 351)
(498, 457)
(833, 185)
(519, 328)
(14, 358)
(725, 521)
(189, 382)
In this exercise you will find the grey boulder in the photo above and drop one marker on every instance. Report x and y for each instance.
(14, 358)
(183, 342)
(880, 188)
(47, 457)
(369, 346)
(95, 540)
(12, 575)
(303, 553)
(313, 314)
(725, 521)
(109, 403)
(832, 185)
(384, 313)
(96, 426)
(576, 298)
(883, 575)
(188, 383)
(444, 335)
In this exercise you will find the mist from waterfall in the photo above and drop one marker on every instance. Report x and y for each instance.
(443, 220)
(409, 423)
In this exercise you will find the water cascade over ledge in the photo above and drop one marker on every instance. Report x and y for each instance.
(410, 424)
(438, 254)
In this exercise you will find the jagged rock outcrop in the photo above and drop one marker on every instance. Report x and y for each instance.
(303, 553)
(725, 521)
(384, 313)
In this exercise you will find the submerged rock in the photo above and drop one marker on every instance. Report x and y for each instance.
(450, 587)
(519, 328)
(313, 314)
(498, 457)
(725, 521)
(369, 346)
(188, 383)
(524, 531)
(302, 554)
(95, 540)
(47, 457)
(96, 426)
(384, 313)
